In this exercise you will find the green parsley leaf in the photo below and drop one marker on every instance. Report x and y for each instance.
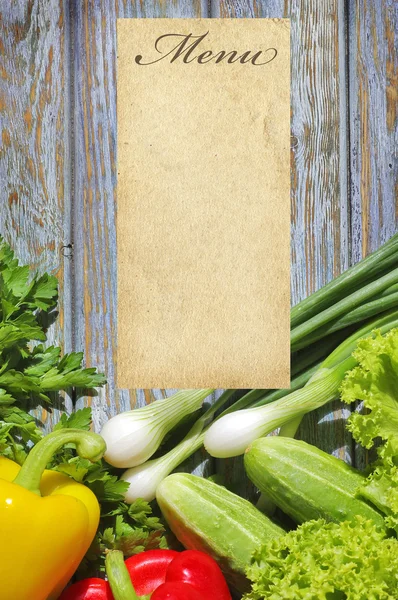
(81, 419)
(30, 372)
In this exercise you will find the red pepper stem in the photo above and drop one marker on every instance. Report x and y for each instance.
(119, 577)
(88, 445)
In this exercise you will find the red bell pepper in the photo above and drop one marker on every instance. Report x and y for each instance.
(88, 589)
(162, 574)
(148, 569)
(147, 572)
(200, 571)
(177, 590)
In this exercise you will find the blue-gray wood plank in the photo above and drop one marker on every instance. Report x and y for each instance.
(373, 129)
(35, 138)
(58, 159)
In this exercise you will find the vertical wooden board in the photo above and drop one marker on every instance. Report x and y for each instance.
(34, 148)
(181, 9)
(319, 173)
(95, 192)
(373, 93)
(94, 69)
(247, 9)
(320, 205)
(373, 77)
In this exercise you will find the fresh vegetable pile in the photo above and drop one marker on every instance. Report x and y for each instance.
(31, 375)
(333, 534)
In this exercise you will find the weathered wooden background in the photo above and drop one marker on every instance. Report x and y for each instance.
(58, 158)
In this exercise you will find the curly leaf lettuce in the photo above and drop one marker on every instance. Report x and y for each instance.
(375, 382)
(381, 488)
(327, 561)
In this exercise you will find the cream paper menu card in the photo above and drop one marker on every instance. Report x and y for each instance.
(203, 203)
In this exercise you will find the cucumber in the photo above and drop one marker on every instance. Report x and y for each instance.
(307, 483)
(205, 516)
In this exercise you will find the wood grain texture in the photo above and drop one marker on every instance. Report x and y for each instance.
(181, 9)
(319, 176)
(34, 147)
(373, 73)
(373, 76)
(247, 9)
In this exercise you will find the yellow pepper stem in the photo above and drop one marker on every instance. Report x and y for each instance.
(119, 577)
(88, 445)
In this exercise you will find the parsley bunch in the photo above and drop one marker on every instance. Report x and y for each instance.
(131, 528)
(30, 375)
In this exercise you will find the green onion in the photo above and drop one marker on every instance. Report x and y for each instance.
(352, 279)
(340, 308)
(144, 479)
(359, 314)
(234, 432)
(134, 436)
(231, 434)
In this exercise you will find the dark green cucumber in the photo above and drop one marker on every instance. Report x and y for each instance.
(307, 483)
(205, 516)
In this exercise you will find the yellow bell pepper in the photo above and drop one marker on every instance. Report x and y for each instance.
(47, 520)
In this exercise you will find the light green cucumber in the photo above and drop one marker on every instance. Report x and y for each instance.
(307, 483)
(205, 516)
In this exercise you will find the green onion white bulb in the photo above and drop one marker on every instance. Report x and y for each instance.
(134, 436)
(144, 479)
(231, 434)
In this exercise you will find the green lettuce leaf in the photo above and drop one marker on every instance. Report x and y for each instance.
(381, 489)
(375, 382)
(326, 561)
